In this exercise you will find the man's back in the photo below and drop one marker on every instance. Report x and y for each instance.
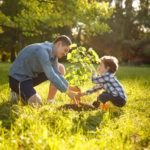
(27, 65)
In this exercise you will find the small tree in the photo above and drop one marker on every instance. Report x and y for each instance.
(82, 61)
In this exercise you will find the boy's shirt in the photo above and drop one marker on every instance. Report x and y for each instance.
(109, 83)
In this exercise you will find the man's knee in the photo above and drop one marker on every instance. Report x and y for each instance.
(61, 69)
(35, 99)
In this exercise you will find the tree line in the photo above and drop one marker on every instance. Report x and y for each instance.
(111, 27)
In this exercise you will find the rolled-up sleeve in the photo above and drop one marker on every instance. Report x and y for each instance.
(45, 63)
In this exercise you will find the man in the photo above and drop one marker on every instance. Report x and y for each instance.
(37, 63)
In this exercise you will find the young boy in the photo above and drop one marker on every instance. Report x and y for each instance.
(113, 90)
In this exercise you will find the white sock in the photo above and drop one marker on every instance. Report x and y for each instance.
(13, 96)
(51, 101)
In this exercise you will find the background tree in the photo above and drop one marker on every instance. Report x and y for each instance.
(11, 36)
(39, 20)
(129, 39)
(123, 31)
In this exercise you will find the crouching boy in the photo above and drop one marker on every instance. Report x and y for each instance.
(113, 90)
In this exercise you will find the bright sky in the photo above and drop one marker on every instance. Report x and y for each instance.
(135, 4)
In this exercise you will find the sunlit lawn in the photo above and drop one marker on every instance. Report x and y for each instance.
(25, 127)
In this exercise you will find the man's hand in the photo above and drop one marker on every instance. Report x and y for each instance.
(81, 94)
(74, 89)
(74, 97)
(78, 96)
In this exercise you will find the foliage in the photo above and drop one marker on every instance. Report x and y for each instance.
(129, 25)
(10, 38)
(23, 22)
(43, 15)
(4, 21)
(82, 65)
(94, 23)
(44, 128)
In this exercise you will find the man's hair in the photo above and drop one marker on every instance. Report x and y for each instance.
(111, 62)
(64, 39)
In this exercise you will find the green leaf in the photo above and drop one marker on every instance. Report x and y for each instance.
(69, 56)
(82, 68)
(73, 45)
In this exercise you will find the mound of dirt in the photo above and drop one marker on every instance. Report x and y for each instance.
(78, 107)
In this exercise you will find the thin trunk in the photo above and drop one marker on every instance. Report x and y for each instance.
(20, 41)
(12, 57)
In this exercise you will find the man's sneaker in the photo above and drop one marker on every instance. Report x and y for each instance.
(13, 96)
(51, 101)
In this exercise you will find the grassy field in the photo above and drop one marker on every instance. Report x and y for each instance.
(25, 127)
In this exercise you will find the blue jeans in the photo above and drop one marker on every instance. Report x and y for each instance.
(116, 100)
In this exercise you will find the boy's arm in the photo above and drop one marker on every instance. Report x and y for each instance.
(94, 89)
(100, 79)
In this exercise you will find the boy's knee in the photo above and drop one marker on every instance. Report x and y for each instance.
(61, 69)
(100, 99)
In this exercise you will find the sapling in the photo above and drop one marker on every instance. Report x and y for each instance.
(82, 65)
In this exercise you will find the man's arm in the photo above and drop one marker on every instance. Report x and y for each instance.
(49, 71)
(55, 67)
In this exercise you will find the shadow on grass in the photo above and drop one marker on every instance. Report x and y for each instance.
(93, 122)
(8, 113)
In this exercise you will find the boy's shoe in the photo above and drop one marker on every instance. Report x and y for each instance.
(51, 101)
(111, 107)
(96, 104)
(13, 96)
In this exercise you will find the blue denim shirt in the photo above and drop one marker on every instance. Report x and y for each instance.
(35, 59)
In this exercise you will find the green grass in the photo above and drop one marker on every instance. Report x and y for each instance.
(25, 127)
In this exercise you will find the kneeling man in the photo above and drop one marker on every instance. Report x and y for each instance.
(37, 63)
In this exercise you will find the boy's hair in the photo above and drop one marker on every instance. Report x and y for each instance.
(111, 62)
(65, 40)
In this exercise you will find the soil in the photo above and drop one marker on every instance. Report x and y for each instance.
(78, 107)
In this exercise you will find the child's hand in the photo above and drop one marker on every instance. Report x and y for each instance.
(94, 73)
